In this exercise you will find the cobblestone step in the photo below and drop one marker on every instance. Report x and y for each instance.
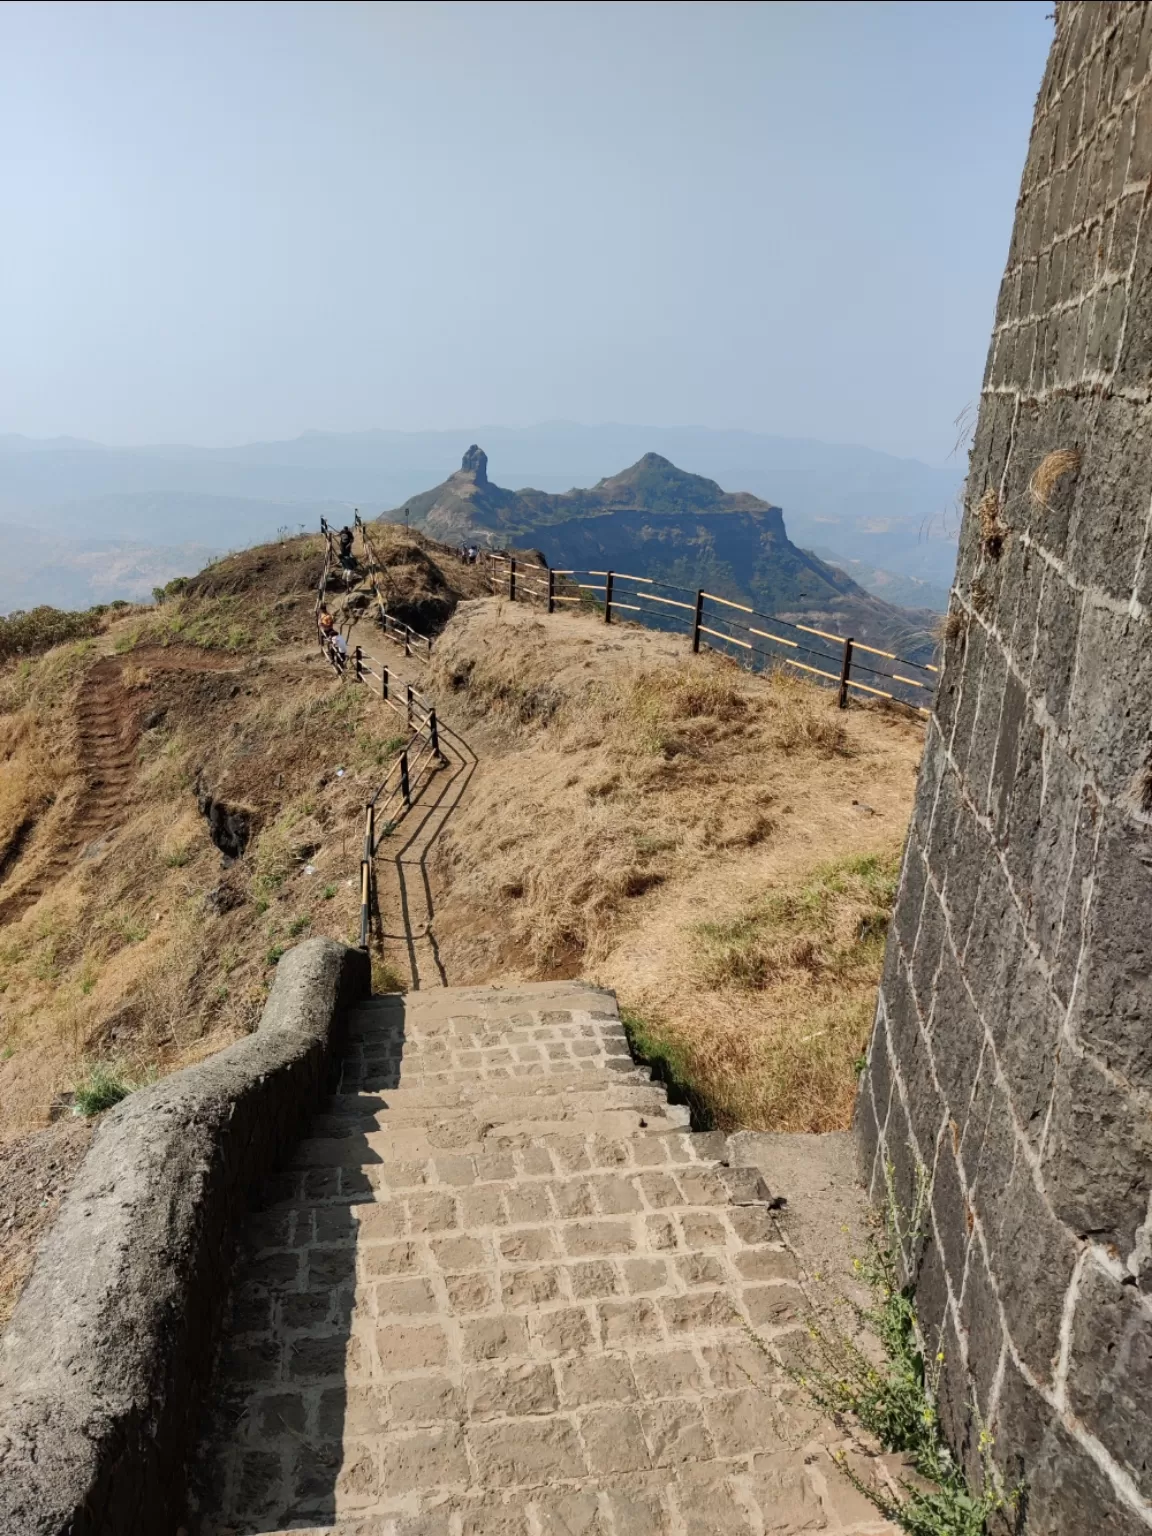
(479, 1308)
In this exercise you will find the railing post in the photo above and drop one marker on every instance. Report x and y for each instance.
(697, 621)
(359, 658)
(608, 598)
(551, 590)
(366, 872)
(407, 641)
(408, 699)
(405, 786)
(434, 736)
(365, 887)
(845, 669)
(511, 581)
(383, 682)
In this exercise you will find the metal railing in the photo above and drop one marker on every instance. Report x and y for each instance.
(418, 760)
(721, 624)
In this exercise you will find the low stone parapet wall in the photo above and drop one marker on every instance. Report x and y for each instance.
(103, 1365)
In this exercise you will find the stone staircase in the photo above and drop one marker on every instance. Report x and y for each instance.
(505, 1291)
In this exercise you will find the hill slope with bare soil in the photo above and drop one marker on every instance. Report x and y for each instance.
(720, 848)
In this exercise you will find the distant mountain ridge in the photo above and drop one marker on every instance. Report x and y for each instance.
(890, 515)
(655, 519)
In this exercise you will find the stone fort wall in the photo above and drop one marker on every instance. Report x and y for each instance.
(1012, 1052)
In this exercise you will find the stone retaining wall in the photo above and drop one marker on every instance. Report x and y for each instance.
(103, 1366)
(1012, 1054)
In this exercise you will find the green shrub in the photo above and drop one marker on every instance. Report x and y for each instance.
(39, 629)
(102, 1085)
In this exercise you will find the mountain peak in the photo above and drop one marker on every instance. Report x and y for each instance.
(476, 462)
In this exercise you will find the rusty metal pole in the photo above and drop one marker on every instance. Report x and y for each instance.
(551, 591)
(511, 581)
(359, 659)
(383, 682)
(408, 698)
(434, 736)
(608, 597)
(697, 621)
(845, 670)
(405, 786)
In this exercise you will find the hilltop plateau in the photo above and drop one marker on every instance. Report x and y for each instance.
(654, 519)
(181, 793)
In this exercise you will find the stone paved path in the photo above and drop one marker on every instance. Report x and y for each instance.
(504, 1291)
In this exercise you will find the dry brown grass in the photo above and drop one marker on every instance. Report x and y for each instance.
(629, 793)
(1050, 471)
(992, 530)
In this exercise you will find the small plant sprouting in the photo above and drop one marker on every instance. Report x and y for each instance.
(328, 892)
(298, 925)
(274, 955)
(895, 1399)
(102, 1085)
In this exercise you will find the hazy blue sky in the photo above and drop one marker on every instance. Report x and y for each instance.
(234, 221)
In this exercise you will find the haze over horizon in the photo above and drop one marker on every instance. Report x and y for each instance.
(241, 222)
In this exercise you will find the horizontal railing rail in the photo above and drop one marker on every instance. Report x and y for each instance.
(721, 624)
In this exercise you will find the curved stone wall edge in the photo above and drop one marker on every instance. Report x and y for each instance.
(103, 1364)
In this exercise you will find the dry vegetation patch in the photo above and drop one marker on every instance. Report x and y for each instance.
(132, 944)
(720, 848)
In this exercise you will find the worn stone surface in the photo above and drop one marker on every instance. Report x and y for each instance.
(103, 1365)
(503, 1288)
(1012, 1053)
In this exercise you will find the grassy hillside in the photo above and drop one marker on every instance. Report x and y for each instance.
(719, 848)
(662, 823)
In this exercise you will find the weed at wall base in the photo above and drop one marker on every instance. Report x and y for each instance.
(894, 1399)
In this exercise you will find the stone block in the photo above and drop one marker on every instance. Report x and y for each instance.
(566, 1331)
(624, 1323)
(512, 1391)
(572, 1198)
(598, 1237)
(951, 1216)
(699, 1310)
(470, 1293)
(526, 1288)
(1032, 1295)
(404, 1297)
(1097, 1164)
(667, 1373)
(696, 1269)
(595, 1379)
(382, 1259)
(703, 1229)
(425, 1459)
(570, 1513)
(980, 1317)
(613, 1441)
(1113, 1000)
(525, 1453)
(494, 1338)
(423, 1400)
(410, 1346)
(1111, 698)
(597, 1277)
(528, 1203)
(1110, 1370)
(957, 1039)
(532, 1245)
(675, 1432)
